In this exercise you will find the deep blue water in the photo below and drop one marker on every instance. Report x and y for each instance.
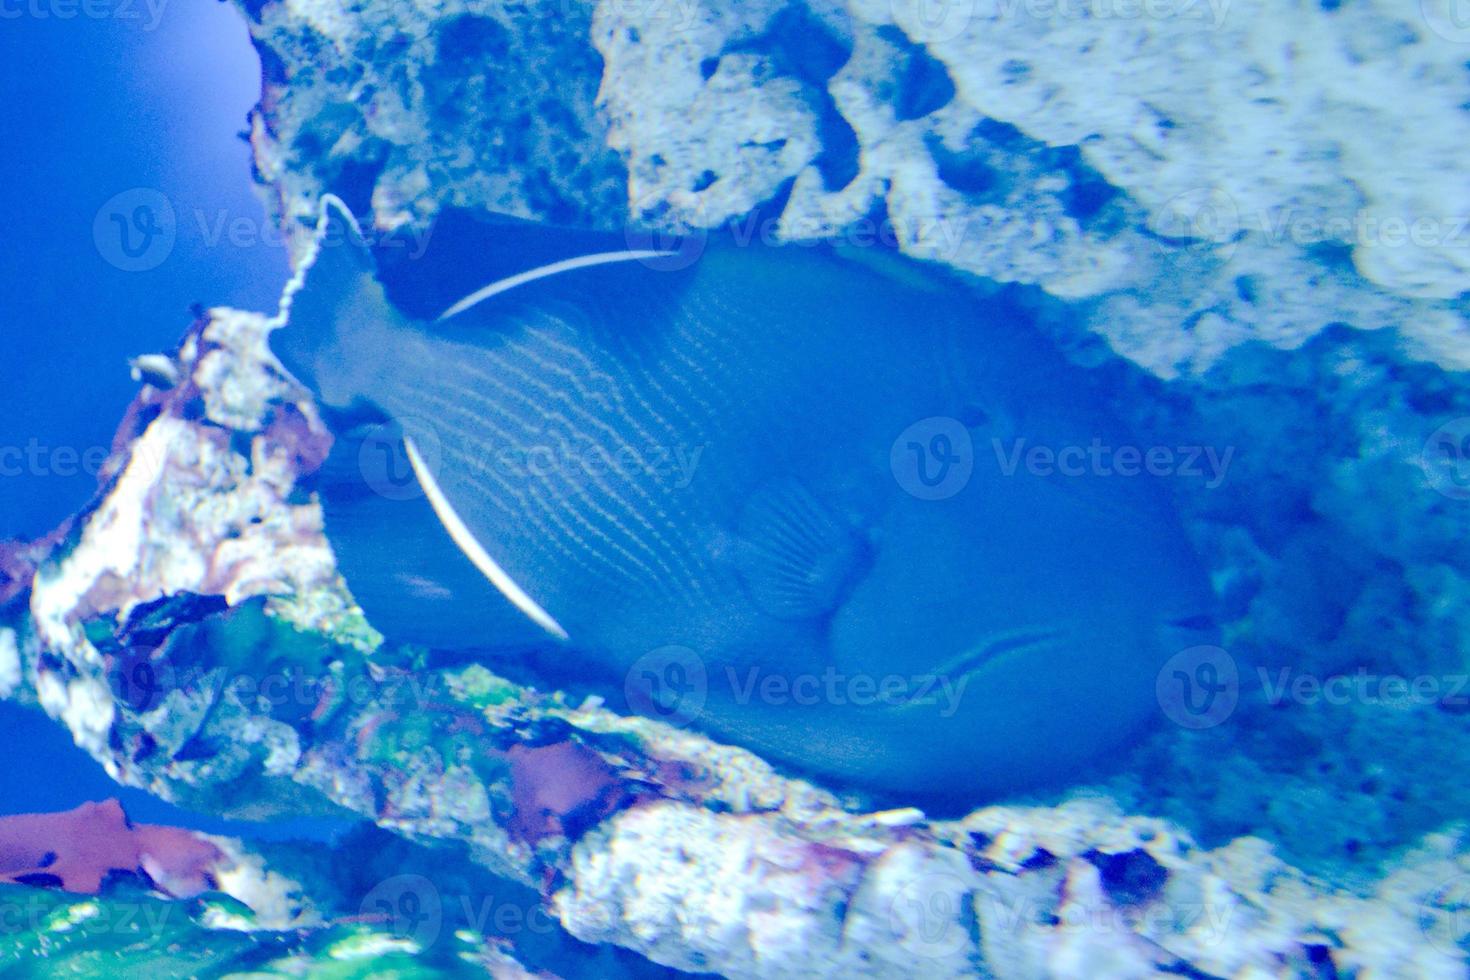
(94, 108)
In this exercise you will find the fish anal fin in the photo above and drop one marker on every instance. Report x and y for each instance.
(401, 565)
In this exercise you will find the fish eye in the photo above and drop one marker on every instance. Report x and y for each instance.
(974, 415)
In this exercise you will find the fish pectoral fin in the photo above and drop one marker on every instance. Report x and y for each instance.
(796, 556)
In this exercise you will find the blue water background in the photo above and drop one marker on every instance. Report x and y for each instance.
(92, 107)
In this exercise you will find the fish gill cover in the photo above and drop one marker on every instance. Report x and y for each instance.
(1164, 451)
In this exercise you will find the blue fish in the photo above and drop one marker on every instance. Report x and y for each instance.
(781, 493)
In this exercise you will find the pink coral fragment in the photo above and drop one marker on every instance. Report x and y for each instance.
(79, 849)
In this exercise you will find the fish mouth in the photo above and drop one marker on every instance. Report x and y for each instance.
(1194, 629)
(1009, 643)
(996, 649)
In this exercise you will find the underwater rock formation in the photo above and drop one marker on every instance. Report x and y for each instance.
(1256, 175)
(1308, 348)
(997, 139)
(242, 931)
(190, 631)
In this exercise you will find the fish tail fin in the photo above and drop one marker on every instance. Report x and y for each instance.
(333, 308)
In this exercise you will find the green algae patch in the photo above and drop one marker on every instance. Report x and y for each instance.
(478, 687)
(130, 933)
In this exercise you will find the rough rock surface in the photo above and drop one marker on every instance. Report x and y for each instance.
(264, 692)
(1221, 214)
(1204, 174)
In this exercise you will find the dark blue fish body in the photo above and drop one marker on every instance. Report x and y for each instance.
(773, 493)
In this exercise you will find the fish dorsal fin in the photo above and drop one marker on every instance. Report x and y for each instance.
(338, 247)
(546, 271)
(401, 561)
(796, 557)
(334, 316)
